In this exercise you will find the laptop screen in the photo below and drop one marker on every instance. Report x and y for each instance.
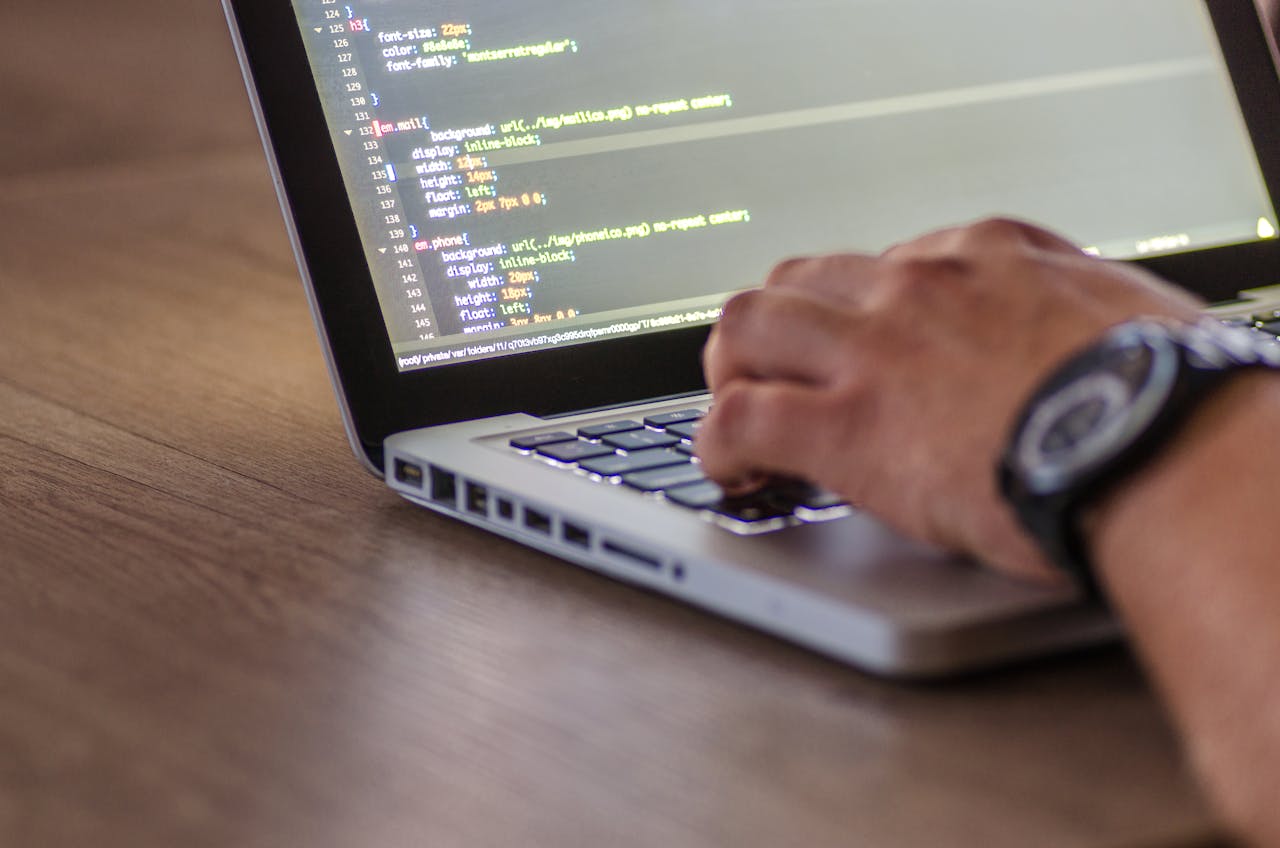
(528, 174)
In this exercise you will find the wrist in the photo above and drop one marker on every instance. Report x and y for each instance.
(1108, 414)
(1164, 508)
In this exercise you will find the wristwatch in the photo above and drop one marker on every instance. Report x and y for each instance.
(1105, 413)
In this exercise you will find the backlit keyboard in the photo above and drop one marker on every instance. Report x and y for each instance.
(654, 456)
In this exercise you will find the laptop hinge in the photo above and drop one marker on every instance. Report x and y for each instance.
(624, 405)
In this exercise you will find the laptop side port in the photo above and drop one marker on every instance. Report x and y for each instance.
(632, 555)
(539, 522)
(477, 499)
(444, 487)
(409, 473)
(577, 536)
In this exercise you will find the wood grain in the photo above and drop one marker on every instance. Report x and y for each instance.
(87, 83)
(215, 629)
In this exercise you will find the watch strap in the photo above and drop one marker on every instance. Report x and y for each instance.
(1210, 355)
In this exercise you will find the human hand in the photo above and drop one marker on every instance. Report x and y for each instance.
(895, 380)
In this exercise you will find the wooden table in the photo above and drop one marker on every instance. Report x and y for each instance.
(216, 629)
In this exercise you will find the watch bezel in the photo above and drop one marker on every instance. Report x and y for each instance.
(1045, 474)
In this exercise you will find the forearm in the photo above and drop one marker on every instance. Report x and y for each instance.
(827, 373)
(1271, 11)
(1186, 551)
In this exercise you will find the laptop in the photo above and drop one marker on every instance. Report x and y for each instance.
(517, 221)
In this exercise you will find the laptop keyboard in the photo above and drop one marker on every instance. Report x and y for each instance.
(1265, 324)
(654, 456)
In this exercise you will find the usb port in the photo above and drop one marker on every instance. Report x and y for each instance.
(409, 474)
(477, 499)
(539, 522)
(576, 536)
(444, 487)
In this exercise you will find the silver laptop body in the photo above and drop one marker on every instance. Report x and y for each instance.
(533, 182)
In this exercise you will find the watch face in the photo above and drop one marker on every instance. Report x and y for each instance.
(1093, 409)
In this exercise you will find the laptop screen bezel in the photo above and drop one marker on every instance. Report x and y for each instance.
(380, 400)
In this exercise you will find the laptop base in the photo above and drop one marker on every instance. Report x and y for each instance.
(850, 588)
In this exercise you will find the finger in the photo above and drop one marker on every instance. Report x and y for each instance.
(982, 236)
(842, 277)
(765, 428)
(782, 335)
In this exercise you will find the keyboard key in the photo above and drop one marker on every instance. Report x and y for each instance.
(687, 450)
(532, 443)
(822, 499)
(704, 495)
(575, 451)
(664, 478)
(641, 440)
(685, 429)
(659, 422)
(599, 431)
(613, 466)
(762, 506)
(808, 496)
(1272, 327)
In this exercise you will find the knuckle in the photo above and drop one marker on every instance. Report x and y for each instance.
(896, 250)
(738, 311)
(854, 393)
(749, 415)
(838, 266)
(732, 407)
(751, 314)
(998, 230)
(786, 271)
(919, 280)
(711, 357)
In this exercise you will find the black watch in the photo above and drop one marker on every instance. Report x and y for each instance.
(1108, 411)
